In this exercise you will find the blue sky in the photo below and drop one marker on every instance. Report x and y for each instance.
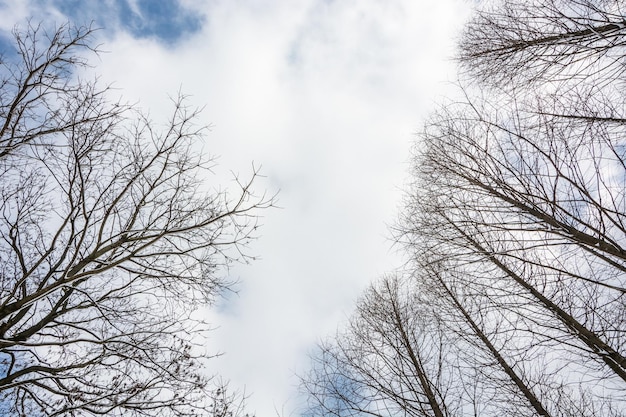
(326, 97)
(166, 20)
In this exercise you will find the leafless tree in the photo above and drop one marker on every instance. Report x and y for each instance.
(110, 238)
(515, 224)
(528, 207)
(545, 41)
(524, 188)
(387, 362)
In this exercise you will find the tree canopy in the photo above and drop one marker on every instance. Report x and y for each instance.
(513, 297)
(110, 237)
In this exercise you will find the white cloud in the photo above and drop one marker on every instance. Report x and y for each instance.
(326, 96)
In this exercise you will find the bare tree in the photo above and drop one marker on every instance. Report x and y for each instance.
(110, 238)
(440, 284)
(390, 360)
(527, 207)
(515, 224)
(545, 41)
(522, 189)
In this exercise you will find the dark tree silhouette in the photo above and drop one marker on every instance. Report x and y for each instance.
(515, 224)
(545, 40)
(110, 238)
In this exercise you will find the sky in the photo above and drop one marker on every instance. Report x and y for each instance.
(326, 97)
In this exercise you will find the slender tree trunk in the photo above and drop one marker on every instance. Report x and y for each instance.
(612, 358)
(524, 389)
(415, 360)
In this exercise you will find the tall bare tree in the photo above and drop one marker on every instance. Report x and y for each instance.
(515, 224)
(545, 40)
(387, 361)
(110, 238)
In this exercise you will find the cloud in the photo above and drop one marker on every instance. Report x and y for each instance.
(326, 96)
